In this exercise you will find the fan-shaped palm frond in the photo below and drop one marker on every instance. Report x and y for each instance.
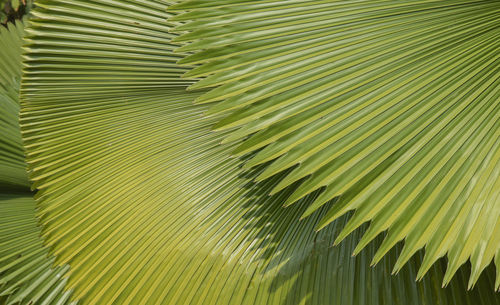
(26, 272)
(390, 107)
(138, 196)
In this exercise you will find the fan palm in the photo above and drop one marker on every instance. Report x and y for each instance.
(391, 107)
(26, 270)
(390, 104)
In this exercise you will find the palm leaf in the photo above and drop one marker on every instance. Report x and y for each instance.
(27, 275)
(12, 166)
(26, 272)
(138, 196)
(389, 107)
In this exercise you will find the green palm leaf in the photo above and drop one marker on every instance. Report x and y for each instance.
(26, 272)
(27, 275)
(12, 166)
(138, 196)
(389, 107)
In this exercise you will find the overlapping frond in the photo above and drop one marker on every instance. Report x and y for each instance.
(27, 275)
(26, 272)
(101, 48)
(12, 166)
(153, 211)
(390, 107)
(138, 196)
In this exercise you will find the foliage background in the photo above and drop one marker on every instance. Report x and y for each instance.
(11, 10)
(138, 196)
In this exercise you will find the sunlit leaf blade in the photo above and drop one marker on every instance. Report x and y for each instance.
(27, 275)
(158, 214)
(391, 107)
(138, 196)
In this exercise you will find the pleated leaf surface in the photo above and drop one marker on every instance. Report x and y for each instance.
(12, 166)
(157, 213)
(391, 108)
(139, 197)
(27, 275)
